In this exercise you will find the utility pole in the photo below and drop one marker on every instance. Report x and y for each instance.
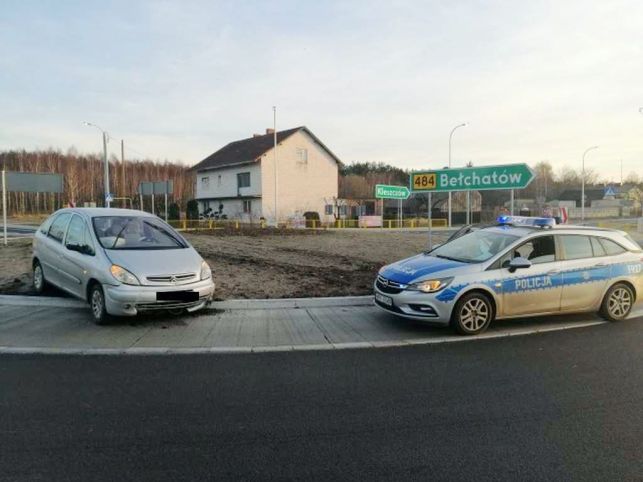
(105, 163)
(274, 134)
(449, 199)
(123, 192)
(582, 186)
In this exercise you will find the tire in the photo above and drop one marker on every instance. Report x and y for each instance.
(38, 278)
(472, 314)
(617, 303)
(97, 305)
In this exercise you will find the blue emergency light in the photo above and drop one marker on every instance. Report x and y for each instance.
(506, 220)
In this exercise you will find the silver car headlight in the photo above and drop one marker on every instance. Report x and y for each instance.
(206, 272)
(124, 276)
(430, 285)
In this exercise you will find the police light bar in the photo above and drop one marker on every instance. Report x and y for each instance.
(526, 221)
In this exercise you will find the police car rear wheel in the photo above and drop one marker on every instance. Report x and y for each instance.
(472, 314)
(618, 302)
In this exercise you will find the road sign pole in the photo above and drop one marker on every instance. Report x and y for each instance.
(166, 206)
(468, 207)
(4, 205)
(153, 212)
(140, 196)
(430, 223)
(512, 202)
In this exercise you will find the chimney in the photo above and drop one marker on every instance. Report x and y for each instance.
(270, 131)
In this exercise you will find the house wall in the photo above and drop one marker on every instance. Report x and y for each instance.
(301, 186)
(222, 183)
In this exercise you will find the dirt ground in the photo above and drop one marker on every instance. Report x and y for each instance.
(268, 264)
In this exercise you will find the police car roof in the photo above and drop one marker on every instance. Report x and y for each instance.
(526, 230)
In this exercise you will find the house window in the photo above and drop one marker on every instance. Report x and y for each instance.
(243, 179)
(247, 206)
(302, 155)
(205, 182)
(328, 209)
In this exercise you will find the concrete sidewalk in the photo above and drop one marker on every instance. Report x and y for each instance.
(50, 327)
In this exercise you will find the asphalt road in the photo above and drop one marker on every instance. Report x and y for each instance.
(554, 406)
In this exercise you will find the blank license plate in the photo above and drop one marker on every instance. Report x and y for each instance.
(385, 300)
(177, 296)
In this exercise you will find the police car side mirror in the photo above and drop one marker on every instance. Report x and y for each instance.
(519, 263)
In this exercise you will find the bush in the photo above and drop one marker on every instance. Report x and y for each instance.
(310, 217)
(192, 209)
(174, 212)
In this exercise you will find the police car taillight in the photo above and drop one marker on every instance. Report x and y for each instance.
(526, 221)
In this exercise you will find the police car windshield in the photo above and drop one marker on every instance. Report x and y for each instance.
(475, 247)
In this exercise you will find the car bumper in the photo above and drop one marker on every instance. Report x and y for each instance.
(126, 300)
(414, 305)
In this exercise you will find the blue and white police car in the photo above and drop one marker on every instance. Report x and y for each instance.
(519, 267)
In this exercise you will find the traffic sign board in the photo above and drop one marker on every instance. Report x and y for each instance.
(383, 191)
(509, 176)
(109, 197)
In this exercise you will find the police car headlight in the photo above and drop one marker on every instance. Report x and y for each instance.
(430, 285)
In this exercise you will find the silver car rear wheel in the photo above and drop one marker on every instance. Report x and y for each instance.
(38, 278)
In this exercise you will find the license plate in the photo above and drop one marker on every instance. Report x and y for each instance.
(177, 296)
(385, 300)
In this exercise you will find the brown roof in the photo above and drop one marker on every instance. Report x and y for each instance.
(251, 149)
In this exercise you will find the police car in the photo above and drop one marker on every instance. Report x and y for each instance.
(519, 267)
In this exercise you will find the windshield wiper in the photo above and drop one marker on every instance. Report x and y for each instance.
(119, 233)
(451, 258)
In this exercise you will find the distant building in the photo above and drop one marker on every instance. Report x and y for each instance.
(238, 180)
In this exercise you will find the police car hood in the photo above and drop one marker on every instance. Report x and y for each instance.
(424, 266)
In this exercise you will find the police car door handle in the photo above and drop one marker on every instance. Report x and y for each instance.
(552, 272)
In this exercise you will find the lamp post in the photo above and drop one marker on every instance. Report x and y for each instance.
(450, 137)
(105, 163)
(582, 186)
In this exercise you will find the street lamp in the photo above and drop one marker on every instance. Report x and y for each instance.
(450, 137)
(582, 188)
(105, 164)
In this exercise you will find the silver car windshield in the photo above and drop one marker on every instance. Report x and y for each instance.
(475, 247)
(134, 232)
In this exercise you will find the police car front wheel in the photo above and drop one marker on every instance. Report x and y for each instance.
(472, 314)
(618, 302)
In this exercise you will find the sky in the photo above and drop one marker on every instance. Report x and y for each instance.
(381, 81)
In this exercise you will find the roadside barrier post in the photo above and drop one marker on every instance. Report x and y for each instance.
(4, 206)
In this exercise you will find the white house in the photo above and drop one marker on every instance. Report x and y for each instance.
(238, 180)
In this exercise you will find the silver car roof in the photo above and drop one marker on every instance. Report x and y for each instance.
(98, 212)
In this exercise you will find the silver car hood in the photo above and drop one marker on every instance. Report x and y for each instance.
(158, 263)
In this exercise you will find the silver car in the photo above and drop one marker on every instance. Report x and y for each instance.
(520, 267)
(122, 262)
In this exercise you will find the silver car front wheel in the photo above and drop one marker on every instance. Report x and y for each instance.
(97, 304)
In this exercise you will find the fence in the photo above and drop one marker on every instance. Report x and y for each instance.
(211, 224)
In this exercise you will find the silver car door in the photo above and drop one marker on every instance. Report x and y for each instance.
(77, 257)
(584, 275)
(536, 289)
(51, 248)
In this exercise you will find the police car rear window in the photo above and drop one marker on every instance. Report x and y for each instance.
(611, 247)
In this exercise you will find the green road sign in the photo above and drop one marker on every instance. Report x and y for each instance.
(382, 191)
(509, 176)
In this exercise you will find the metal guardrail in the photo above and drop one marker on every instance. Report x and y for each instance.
(212, 224)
